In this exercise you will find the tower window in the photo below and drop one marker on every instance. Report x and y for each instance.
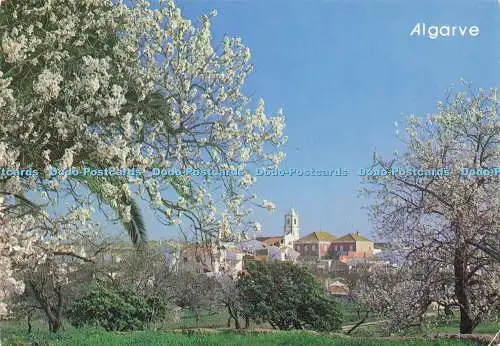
(294, 221)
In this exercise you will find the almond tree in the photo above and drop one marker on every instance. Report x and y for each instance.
(46, 254)
(98, 83)
(447, 224)
(105, 85)
(399, 295)
(228, 294)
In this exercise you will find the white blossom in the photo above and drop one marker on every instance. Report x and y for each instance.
(268, 205)
(47, 85)
(113, 109)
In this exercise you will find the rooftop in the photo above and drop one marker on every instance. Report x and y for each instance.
(270, 241)
(318, 236)
(352, 237)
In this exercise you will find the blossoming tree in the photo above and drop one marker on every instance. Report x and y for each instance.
(448, 226)
(97, 83)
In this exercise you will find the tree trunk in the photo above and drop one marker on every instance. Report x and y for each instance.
(247, 322)
(54, 325)
(467, 323)
(54, 315)
(197, 315)
(233, 314)
(29, 322)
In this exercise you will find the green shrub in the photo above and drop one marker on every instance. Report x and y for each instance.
(287, 296)
(112, 308)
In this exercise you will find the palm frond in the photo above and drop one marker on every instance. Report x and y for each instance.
(135, 228)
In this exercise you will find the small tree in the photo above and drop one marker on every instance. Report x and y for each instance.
(288, 297)
(115, 308)
(146, 271)
(228, 294)
(55, 273)
(400, 295)
(195, 292)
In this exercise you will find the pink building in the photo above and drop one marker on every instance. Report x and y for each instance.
(320, 245)
(315, 245)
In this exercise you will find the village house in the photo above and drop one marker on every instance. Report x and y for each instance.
(315, 245)
(328, 252)
(323, 245)
(338, 288)
(352, 245)
(207, 259)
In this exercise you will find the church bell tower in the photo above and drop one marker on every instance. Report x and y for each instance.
(291, 228)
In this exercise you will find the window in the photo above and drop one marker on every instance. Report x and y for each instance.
(287, 221)
(294, 221)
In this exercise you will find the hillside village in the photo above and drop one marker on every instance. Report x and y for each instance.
(323, 251)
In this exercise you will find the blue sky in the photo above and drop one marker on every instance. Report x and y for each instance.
(344, 71)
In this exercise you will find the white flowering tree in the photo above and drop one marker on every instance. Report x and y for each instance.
(101, 84)
(133, 87)
(448, 225)
(229, 295)
(13, 247)
(400, 295)
(42, 253)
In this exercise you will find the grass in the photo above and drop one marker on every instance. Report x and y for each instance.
(207, 320)
(487, 327)
(433, 327)
(352, 312)
(14, 333)
(88, 336)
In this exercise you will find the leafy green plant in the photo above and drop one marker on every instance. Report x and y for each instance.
(112, 308)
(287, 296)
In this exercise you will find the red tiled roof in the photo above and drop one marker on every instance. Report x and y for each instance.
(270, 241)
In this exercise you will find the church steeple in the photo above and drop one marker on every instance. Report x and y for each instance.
(291, 228)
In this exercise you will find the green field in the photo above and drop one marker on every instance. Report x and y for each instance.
(490, 327)
(431, 329)
(15, 333)
(95, 337)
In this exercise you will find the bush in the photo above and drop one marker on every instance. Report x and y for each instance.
(288, 297)
(112, 308)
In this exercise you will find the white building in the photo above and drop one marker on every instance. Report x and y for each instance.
(291, 229)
